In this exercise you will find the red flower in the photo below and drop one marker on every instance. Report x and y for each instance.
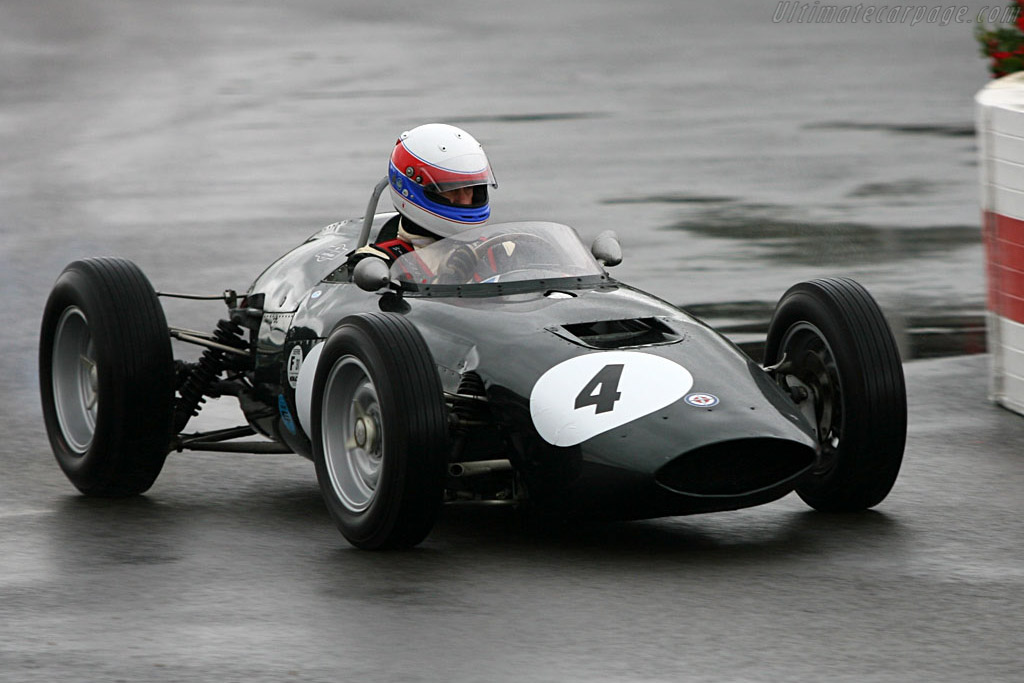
(1001, 55)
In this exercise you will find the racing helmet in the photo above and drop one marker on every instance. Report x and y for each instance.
(435, 158)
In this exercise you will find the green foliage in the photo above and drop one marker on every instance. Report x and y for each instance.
(1003, 45)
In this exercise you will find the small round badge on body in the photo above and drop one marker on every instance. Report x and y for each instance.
(701, 400)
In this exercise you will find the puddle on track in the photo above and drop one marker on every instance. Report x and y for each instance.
(786, 240)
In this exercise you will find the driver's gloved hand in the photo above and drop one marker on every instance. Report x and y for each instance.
(462, 263)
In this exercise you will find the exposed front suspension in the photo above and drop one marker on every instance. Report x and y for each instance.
(226, 349)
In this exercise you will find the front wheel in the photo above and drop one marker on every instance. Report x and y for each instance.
(380, 433)
(836, 354)
(106, 376)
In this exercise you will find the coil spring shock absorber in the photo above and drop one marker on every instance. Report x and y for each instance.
(205, 372)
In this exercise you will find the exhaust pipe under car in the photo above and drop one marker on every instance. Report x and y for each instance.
(476, 468)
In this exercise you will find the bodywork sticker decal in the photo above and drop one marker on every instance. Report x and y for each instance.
(286, 415)
(294, 365)
(702, 400)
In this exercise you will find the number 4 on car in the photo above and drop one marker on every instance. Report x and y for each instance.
(601, 392)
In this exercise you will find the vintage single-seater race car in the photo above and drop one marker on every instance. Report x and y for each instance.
(502, 364)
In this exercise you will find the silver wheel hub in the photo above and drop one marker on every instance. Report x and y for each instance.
(75, 380)
(814, 369)
(351, 435)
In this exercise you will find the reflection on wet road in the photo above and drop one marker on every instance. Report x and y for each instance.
(766, 231)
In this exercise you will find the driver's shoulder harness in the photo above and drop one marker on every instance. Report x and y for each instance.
(388, 245)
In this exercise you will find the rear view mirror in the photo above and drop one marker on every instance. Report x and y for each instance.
(371, 274)
(606, 249)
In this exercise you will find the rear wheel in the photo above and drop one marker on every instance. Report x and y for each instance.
(838, 355)
(106, 377)
(380, 433)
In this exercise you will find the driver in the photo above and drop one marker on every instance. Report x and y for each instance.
(438, 177)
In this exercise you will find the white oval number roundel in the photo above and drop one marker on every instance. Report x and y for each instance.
(587, 395)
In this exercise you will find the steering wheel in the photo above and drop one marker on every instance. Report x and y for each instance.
(471, 257)
(538, 272)
(519, 239)
(514, 237)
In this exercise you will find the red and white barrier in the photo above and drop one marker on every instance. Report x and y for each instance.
(1000, 126)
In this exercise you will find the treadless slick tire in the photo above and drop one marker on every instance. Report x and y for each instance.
(380, 431)
(106, 377)
(840, 350)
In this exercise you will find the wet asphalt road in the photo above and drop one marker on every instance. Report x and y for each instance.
(230, 569)
(202, 139)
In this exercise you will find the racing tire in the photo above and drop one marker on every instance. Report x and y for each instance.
(379, 432)
(837, 350)
(106, 375)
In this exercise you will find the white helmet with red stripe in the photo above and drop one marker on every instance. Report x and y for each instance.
(432, 160)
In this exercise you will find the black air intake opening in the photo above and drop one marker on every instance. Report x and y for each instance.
(618, 334)
(736, 468)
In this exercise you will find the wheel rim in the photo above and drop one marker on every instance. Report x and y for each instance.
(811, 365)
(352, 438)
(75, 380)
